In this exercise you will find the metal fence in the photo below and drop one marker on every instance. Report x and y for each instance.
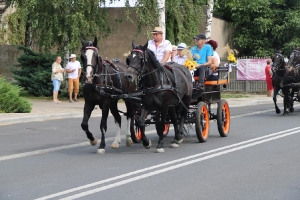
(244, 86)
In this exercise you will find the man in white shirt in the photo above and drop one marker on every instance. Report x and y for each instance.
(180, 58)
(73, 69)
(161, 48)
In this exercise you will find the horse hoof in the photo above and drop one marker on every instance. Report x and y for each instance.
(93, 143)
(150, 144)
(291, 110)
(278, 111)
(128, 140)
(180, 141)
(101, 151)
(160, 150)
(174, 145)
(115, 145)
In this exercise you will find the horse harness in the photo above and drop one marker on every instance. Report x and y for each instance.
(159, 87)
(106, 88)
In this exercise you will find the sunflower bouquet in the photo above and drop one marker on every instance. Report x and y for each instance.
(190, 64)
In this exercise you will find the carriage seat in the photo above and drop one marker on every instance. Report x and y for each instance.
(215, 82)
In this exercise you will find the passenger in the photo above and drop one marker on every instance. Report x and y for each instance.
(180, 58)
(161, 48)
(174, 53)
(202, 54)
(215, 60)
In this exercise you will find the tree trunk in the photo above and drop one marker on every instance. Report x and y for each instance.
(209, 18)
(28, 34)
(162, 16)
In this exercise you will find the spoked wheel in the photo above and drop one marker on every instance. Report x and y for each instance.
(202, 122)
(136, 134)
(166, 129)
(223, 118)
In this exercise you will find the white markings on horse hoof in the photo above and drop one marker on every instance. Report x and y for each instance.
(150, 144)
(128, 140)
(115, 145)
(101, 151)
(174, 145)
(180, 141)
(160, 150)
(93, 143)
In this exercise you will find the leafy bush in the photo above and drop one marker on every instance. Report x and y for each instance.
(10, 101)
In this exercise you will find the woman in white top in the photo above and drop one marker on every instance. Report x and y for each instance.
(180, 58)
(215, 59)
(56, 77)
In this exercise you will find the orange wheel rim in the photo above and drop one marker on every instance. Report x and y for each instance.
(226, 120)
(205, 121)
(138, 134)
(166, 128)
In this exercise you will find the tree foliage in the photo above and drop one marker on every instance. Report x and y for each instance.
(53, 20)
(33, 72)
(262, 25)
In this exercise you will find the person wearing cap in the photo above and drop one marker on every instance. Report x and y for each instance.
(161, 48)
(180, 58)
(215, 60)
(202, 54)
(73, 69)
(173, 53)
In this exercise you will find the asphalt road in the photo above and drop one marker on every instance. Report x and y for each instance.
(259, 159)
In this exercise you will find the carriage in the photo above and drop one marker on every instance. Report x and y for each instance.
(200, 110)
(152, 96)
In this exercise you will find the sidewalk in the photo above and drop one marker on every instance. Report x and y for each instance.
(48, 110)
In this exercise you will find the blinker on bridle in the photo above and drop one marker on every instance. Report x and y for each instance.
(144, 62)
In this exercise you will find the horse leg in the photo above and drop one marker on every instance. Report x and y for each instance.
(285, 101)
(141, 124)
(275, 100)
(160, 128)
(103, 126)
(291, 100)
(88, 108)
(129, 117)
(114, 111)
(178, 136)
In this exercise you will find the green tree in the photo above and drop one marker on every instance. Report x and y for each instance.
(261, 25)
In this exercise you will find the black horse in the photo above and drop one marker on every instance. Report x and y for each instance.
(165, 90)
(279, 72)
(291, 81)
(103, 79)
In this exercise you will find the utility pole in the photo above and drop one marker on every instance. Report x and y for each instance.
(162, 16)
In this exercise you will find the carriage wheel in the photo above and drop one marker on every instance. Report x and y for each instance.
(166, 129)
(202, 122)
(223, 118)
(136, 134)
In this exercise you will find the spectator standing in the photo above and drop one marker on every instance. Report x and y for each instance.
(215, 60)
(180, 58)
(73, 69)
(56, 78)
(161, 48)
(268, 72)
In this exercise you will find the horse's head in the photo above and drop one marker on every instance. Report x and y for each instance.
(294, 58)
(136, 62)
(90, 58)
(278, 60)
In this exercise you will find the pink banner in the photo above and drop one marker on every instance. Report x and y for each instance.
(251, 69)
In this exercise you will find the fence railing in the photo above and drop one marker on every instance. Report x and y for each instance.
(244, 86)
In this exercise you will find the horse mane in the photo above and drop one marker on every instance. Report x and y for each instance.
(153, 59)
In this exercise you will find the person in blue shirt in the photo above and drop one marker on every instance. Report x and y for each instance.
(202, 54)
